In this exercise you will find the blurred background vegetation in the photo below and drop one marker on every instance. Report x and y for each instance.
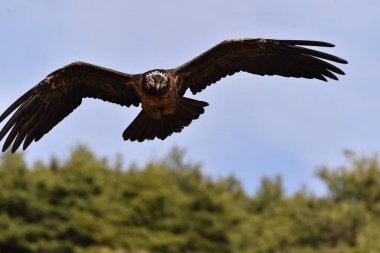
(89, 204)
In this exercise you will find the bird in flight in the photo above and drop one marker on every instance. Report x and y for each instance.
(160, 92)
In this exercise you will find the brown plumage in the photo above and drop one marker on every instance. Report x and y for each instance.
(164, 109)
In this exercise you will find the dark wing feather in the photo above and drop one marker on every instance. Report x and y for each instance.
(258, 56)
(55, 97)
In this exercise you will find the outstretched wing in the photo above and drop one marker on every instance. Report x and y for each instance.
(257, 56)
(55, 97)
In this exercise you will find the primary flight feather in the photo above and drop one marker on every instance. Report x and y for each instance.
(160, 92)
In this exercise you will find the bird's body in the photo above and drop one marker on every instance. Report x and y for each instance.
(158, 93)
(165, 110)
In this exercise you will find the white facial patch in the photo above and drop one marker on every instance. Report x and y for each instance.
(158, 73)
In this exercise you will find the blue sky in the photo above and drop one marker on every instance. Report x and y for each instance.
(272, 126)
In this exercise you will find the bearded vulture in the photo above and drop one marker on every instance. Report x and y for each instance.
(160, 92)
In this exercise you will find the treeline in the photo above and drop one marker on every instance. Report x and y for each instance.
(87, 204)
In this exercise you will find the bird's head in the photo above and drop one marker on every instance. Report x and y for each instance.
(156, 82)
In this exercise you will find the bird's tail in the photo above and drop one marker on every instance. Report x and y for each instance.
(144, 127)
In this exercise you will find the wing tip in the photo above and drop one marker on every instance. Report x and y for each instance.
(312, 43)
(338, 60)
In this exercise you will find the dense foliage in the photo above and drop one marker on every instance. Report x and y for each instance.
(84, 204)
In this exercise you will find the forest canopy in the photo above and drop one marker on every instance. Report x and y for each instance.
(87, 204)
